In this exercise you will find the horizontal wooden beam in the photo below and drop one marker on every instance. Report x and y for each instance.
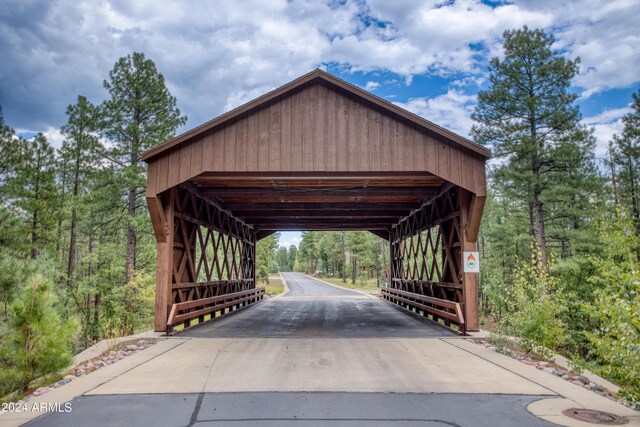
(309, 226)
(317, 182)
(320, 225)
(293, 212)
(362, 222)
(340, 191)
(257, 217)
(240, 175)
(319, 198)
(251, 205)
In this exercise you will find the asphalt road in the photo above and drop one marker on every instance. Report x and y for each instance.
(312, 309)
(297, 409)
(301, 285)
(305, 359)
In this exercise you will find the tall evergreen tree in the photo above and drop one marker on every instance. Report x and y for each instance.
(139, 114)
(79, 153)
(293, 254)
(625, 159)
(33, 190)
(10, 158)
(9, 148)
(266, 257)
(282, 258)
(529, 117)
(7, 163)
(308, 252)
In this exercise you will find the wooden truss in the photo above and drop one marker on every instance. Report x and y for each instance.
(426, 255)
(211, 254)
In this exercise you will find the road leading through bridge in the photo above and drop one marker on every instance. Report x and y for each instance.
(313, 309)
(318, 356)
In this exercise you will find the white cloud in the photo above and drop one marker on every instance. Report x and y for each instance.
(217, 55)
(605, 125)
(288, 238)
(371, 86)
(54, 136)
(451, 110)
(440, 33)
(605, 36)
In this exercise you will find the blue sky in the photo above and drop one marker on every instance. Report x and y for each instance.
(427, 56)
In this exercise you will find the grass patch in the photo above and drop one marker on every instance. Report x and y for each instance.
(361, 285)
(275, 285)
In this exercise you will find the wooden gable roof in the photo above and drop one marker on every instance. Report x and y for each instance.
(318, 123)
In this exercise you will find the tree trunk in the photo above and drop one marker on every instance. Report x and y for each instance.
(72, 250)
(131, 236)
(34, 222)
(541, 238)
(63, 185)
(385, 268)
(614, 182)
(353, 268)
(344, 271)
(74, 219)
(378, 265)
(532, 222)
(34, 236)
(96, 317)
(131, 202)
(90, 267)
(538, 149)
(635, 211)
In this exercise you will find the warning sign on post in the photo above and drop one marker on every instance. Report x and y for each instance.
(471, 262)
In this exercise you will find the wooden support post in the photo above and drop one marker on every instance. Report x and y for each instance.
(469, 211)
(164, 270)
(254, 249)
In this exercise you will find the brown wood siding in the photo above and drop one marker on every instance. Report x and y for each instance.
(318, 129)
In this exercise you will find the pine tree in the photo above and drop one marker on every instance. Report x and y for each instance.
(625, 159)
(329, 251)
(12, 277)
(140, 114)
(33, 190)
(529, 117)
(282, 259)
(36, 342)
(79, 153)
(308, 251)
(266, 257)
(9, 155)
(10, 148)
(293, 254)
(359, 249)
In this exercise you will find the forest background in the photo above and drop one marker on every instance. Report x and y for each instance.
(559, 243)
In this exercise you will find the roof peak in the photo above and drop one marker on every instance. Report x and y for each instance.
(301, 82)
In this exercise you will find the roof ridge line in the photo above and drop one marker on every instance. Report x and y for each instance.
(297, 83)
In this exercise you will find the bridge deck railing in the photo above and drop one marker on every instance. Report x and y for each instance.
(184, 312)
(449, 311)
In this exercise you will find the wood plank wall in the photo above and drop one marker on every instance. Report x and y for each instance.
(318, 129)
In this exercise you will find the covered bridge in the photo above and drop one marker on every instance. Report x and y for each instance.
(315, 154)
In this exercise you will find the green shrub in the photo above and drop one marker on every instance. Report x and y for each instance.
(616, 343)
(36, 342)
(534, 304)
